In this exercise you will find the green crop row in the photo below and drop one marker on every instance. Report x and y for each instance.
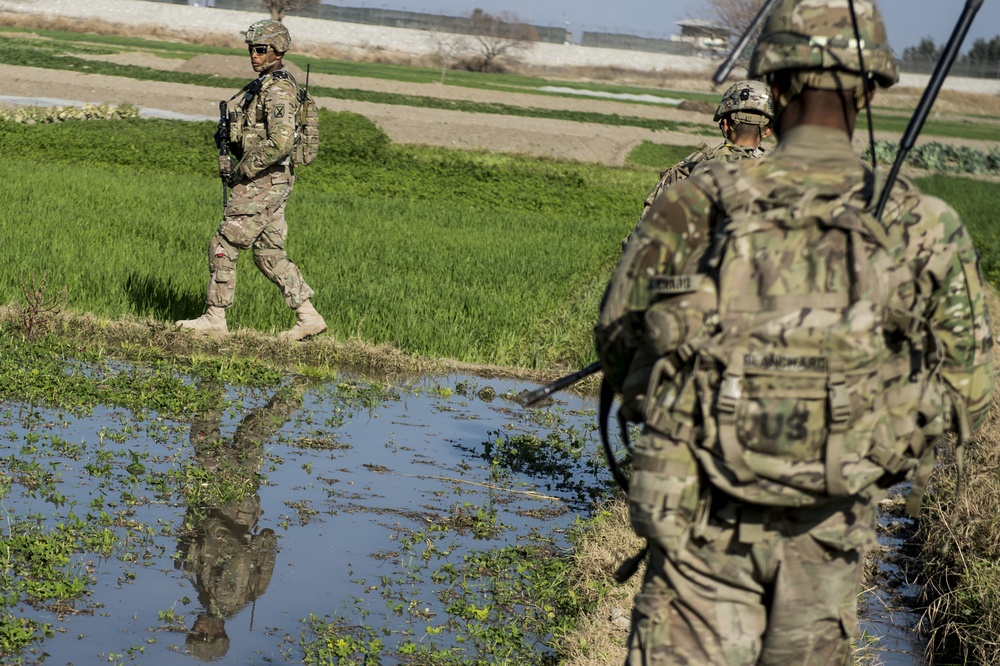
(944, 158)
(31, 115)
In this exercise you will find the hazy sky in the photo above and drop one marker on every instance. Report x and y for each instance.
(906, 20)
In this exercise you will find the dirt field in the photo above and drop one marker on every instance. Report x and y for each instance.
(586, 142)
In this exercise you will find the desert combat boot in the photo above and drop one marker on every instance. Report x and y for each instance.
(309, 323)
(213, 322)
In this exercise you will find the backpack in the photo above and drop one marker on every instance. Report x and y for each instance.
(803, 381)
(306, 146)
(306, 142)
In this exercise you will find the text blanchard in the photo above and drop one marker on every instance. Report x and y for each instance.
(780, 362)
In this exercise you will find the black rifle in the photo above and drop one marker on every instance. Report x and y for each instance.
(304, 92)
(532, 397)
(223, 134)
(948, 56)
(726, 67)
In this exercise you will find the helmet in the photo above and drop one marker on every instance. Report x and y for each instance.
(819, 35)
(747, 102)
(270, 32)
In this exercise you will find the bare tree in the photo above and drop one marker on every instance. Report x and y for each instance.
(495, 36)
(279, 7)
(448, 48)
(735, 15)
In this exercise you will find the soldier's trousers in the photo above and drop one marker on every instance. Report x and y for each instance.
(758, 587)
(255, 219)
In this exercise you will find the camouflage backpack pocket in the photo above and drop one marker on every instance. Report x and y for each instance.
(791, 429)
(665, 490)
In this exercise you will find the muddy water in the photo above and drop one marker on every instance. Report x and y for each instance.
(356, 499)
(363, 494)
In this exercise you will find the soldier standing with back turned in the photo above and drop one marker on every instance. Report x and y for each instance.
(755, 497)
(263, 134)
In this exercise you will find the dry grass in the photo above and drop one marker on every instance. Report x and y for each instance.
(960, 538)
(600, 636)
(136, 339)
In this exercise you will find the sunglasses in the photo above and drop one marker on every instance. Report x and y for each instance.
(259, 50)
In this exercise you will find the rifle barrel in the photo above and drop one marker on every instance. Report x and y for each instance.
(532, 397)
(948, 55)
(726, 67)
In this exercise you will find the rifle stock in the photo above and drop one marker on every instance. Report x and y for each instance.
(530, 398)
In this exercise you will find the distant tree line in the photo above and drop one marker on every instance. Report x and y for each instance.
(982, 59)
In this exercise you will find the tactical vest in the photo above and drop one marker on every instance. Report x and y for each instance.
(248, 122)
(725, 151)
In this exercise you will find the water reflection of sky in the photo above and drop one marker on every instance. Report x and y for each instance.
(338, 513)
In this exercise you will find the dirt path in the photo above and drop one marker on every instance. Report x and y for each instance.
(585, 142)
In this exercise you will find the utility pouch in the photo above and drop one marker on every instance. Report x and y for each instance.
(664, 490)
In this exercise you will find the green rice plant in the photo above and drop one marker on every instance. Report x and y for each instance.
(479, 257)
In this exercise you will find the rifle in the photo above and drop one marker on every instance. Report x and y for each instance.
(948, 56)
(304, 92)
(223, 134)
(530, 398)
(726, 67)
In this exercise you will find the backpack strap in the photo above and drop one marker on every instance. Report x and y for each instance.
(729, 396)
(604, 413)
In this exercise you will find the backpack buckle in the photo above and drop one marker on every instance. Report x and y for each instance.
(730, 393)
(840, 403)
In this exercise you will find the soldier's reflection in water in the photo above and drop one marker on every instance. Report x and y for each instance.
(229, 560)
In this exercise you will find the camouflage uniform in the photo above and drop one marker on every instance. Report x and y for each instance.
(229, 561)
(255, 213)
(743, 102)
(732, 582)
(262, 137)
(724, 152)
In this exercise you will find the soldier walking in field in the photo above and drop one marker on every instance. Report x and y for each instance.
(790, 356)
(262, 136)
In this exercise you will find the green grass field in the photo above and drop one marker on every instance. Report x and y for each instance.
(481, 258)
(444, 253)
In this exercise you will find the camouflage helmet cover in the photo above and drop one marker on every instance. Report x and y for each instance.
(747, 102)
(270, 32)
(819, 35)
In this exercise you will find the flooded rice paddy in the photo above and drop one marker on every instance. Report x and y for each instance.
(341, 522)
(347, 519)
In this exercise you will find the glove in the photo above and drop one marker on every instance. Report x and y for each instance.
(219, 134)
